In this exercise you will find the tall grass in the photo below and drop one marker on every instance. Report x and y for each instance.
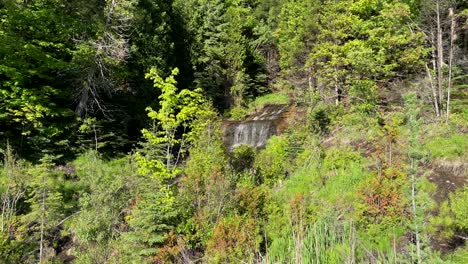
(329, 241)
(328, 232)
(450, 148)
(326, 241)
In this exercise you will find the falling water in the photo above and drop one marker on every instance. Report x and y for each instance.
(256, 129)
(253, 133)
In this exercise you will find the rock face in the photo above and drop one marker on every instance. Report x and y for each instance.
(258, 127)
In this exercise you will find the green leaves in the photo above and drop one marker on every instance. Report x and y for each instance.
(155, 213)
(34, 59)
(360, 42)
(453, 214)
(225, 57)
(177, 109)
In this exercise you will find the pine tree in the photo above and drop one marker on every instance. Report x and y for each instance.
(47, 208)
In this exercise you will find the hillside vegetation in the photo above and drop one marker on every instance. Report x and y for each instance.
(111, 117)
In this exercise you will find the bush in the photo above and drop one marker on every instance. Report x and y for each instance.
(355, 126)
(319, 119)
(242, 157)
(272, 163)
(453, 216)
(238, 113)
(234, 238)
(460, 256)
(107, 188)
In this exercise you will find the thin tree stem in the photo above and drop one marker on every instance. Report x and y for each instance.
(452, 39)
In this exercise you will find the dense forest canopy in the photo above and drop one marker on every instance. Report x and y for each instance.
(113, 130)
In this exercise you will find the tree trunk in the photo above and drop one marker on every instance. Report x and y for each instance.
(434, 68)
(41, 245)
(452, 39)
(337, 89)
(413, 203)
(434, 91)
(440, 56)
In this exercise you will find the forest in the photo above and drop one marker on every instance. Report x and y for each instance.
(138, 131)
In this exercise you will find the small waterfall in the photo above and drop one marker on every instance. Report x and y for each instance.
(257, 128)
(252, 133)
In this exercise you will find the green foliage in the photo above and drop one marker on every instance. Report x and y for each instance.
(30, 56)
(13, 192)
(233, 238)
(238, 113)
(153, 215)
(251, 199)
(261, 101)
(205, 189)
(35, 51)
(155, 211)
(452, 216)
(296, 30)
(177, 110)
(301, 218)
(346, 183)
(458, 257)
(363, 95)
(242, 158)
(451, 148)
(227, 65)
(207, 22)
(329, 241)
(360, 42)
(272, 162)
(356, 126)
(84, 58)
(36, 201)
(48, 207)
(106, 188)
(11, 250)
(319, 119)
(381, 206)
(459, 208)
(96, 134)
(154, 45)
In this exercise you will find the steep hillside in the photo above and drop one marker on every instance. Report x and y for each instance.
(234, 131)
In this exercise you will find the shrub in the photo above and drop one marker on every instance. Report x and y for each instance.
(242, 158)
(383, 199)
(460, 256)
(238, 113)
(234, 238)
(107, 188)
(272, 163)
(319, 119)
(453, 216)
(251, 199)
